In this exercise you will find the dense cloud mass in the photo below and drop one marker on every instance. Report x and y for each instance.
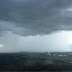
(35, 25)
(35, 17)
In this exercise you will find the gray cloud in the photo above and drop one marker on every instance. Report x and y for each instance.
(33, 17)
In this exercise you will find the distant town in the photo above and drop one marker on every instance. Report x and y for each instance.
(59, 53)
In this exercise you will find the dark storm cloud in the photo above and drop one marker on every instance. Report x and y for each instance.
(32, 17)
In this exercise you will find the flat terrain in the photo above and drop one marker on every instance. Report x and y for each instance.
(29, 61)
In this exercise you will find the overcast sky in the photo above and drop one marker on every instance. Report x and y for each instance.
(35, 25)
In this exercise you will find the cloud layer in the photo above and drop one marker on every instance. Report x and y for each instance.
(35, 17)
(56, 42)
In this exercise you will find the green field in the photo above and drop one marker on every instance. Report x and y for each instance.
(43, 55)
(32, 61)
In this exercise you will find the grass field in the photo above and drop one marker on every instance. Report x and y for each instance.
(29, 61)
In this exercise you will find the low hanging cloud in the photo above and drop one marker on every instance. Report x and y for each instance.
(35, 17)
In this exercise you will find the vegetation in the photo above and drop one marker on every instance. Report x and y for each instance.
(34, 62)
